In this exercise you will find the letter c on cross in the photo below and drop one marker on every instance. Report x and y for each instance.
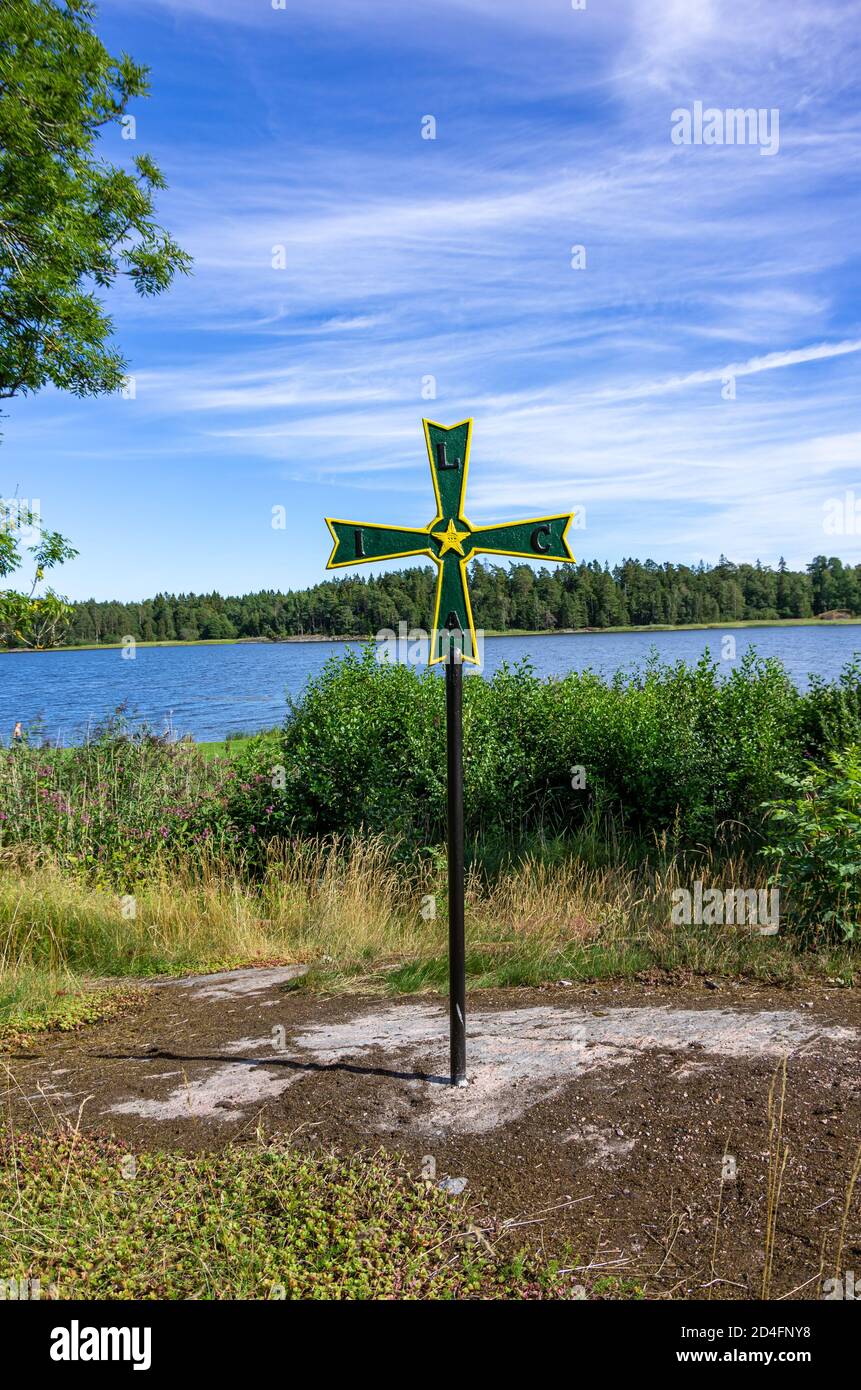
(537, 535)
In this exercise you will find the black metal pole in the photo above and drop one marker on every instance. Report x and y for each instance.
(456, 941)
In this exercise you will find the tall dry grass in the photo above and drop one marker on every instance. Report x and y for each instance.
(359, 916)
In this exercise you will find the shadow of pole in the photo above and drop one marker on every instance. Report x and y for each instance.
(291, 1063)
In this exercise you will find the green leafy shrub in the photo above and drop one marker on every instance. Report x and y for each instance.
(815, 846)
(831, 714)
(675, 749)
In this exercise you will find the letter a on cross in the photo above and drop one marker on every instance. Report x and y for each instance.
(450, 540)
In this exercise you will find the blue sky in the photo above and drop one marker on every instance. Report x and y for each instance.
(405, 258)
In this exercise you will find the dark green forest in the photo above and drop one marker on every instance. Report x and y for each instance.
(570, 596)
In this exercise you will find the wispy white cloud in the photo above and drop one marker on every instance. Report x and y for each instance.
(768, 363)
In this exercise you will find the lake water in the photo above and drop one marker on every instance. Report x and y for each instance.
(212, 691)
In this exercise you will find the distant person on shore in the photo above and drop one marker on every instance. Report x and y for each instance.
(17, 733)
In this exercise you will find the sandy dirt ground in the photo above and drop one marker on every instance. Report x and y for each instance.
(622, 1127)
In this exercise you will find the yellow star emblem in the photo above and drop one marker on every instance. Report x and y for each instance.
(450, 539)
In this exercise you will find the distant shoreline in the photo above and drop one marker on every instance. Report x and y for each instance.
(488, 632)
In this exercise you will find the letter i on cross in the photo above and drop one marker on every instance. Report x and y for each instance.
(450, 540)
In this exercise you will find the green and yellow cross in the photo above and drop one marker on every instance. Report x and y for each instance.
(450, 540)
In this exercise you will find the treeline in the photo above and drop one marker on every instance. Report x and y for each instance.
(571, 596)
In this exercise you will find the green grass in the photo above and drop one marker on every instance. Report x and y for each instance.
(218, 748)
(36, 999)
(516, 969)
(226, 747)
(689, 952)
(89, 1219)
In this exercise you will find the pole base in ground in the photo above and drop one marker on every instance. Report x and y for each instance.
(459, 1083)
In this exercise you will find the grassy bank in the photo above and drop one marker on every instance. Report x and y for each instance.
(590, 805)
